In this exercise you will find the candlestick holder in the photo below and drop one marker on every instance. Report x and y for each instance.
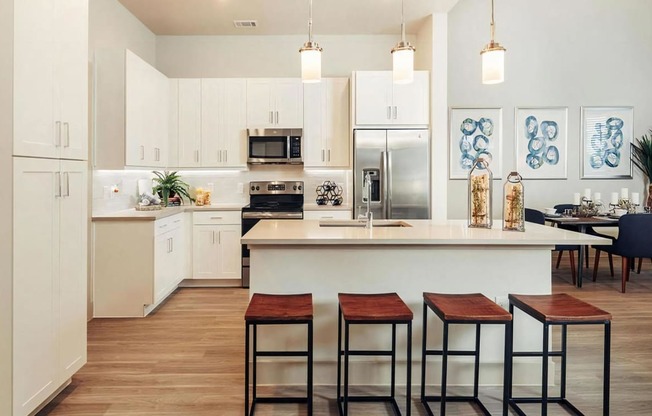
(589, 208)
(626, 203)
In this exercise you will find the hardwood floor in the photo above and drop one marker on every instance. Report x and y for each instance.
(187, 358)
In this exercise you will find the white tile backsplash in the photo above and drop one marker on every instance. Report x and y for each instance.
(225, 184)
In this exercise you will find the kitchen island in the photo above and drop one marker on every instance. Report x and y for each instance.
(409, 258)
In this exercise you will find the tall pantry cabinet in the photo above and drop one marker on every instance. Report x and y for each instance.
(44, 340)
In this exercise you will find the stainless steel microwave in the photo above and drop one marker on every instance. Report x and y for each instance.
(275, 146)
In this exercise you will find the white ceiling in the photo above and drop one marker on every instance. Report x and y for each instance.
(282, 17)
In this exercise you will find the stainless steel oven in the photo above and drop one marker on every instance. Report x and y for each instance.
(275, 146)
(269, 200)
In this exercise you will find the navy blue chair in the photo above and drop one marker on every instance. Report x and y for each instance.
(535, 216)
(634, 240)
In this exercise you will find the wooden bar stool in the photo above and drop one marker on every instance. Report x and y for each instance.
(356, 309)
(559, 309)
(470, 309)
(277, 310)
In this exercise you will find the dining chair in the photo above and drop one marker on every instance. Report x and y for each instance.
(560, 209)
(634, 240)
(535, 216)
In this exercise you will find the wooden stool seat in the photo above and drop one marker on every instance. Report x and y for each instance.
(265, 307)
(559, 308)
(374, 307)
(471, 307)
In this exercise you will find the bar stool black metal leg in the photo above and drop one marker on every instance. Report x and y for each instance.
(544, 372)
(346, 369)
(408, 384)
(507, 382)
(339, 356)
(310, 394)
(393, 369)
(564, 333)
(424, 344)
(607, 365)
(253, 393)
(476, 369)
(246, 369)
(511, 355)
(444, 370)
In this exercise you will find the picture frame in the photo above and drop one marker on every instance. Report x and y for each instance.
(541, 135)
(472, 132)
(607, 134)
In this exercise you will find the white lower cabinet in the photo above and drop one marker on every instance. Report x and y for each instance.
(327, 214)
(137, 264)
(216, 245)
(49, 277)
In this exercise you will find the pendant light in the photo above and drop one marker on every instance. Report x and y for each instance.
(493, 58)
(310, 56)
(403, 57)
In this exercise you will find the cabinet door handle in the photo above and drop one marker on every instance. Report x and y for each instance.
(57, 136)
(171, 244)
(219, 237)
(213, 237)
(67, 175)
(327, 217)
(277, 117)
(226, 156)
(216, 218)
(67, 142)
(196, 155)
(177, 221)
(218, 155)
(329, 155)
(142, 152)
(271, 117)
(158, 154)
(162, 226)
(395, 112)
(389, 112)
(322, 155)
(57, 186)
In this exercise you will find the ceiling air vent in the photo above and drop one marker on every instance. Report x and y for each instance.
(245, 23)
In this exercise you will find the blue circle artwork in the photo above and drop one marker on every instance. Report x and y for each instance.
(475, 141)
(486, 126)
(468, 126)
(549, 130)
(540, 151)
(465, 144)
(606, 143)
(480, 143)
(531, 127)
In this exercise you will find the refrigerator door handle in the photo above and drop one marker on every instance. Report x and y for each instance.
(388, 203)
(384, 184)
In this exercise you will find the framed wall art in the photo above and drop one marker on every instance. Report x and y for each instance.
(541, 142)
(606, 138)
(474, 132)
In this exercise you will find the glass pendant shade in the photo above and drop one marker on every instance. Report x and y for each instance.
(493, 64)
(403, 64)
(311, 64)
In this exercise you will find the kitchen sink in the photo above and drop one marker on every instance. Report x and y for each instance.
(362, 223)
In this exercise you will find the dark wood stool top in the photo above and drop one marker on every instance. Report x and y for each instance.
(374, 307)
(559, 308)
(264, 307)
(471, 307)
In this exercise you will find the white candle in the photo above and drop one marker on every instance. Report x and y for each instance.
(614, 198)
(597, 196)
(576, 198)
(624, 193)
(635, 199)
(587, 193)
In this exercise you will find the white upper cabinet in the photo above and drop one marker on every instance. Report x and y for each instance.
(274, 102)
(131, 112)
(380, 102)
(190, 122)
(223, 122)
(326, 128)
(51, 78)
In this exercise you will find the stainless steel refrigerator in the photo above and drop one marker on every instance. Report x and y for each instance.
(398, 163)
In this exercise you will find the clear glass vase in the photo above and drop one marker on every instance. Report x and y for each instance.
(480, 194)
(513, 203)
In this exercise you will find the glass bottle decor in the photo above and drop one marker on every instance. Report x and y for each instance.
(513, 203)
(480, 191)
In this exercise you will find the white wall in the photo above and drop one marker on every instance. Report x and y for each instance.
(559, 53)
(269, 56)
(6, 211)
(113, 26)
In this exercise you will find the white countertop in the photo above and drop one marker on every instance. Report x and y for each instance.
(133, 215)
(422, 232)
(314, 207)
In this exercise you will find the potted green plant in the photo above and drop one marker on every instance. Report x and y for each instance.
(642, 159)
(169, 184)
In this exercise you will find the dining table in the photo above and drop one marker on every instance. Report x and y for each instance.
(582, 224)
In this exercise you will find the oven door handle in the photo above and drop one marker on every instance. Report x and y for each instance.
(272, 215)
